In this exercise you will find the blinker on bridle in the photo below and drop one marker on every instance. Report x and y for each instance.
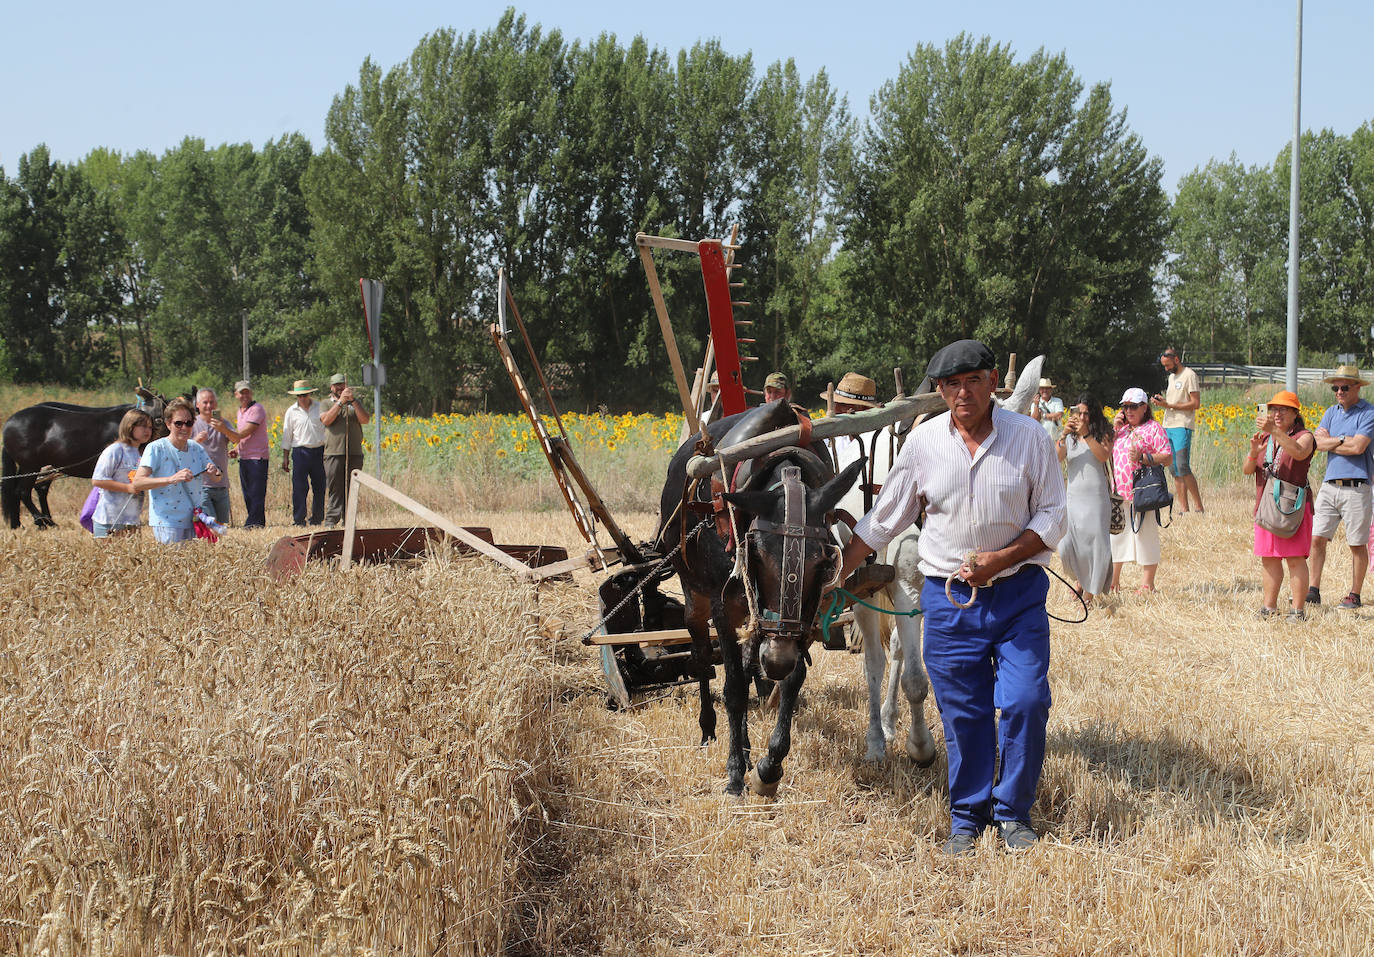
(794, 532)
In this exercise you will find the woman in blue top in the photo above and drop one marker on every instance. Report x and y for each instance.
(170, 469)
(120, 505)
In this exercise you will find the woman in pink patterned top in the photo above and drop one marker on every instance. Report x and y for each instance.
(1140, 440)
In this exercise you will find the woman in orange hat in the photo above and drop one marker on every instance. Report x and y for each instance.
(1282, 447)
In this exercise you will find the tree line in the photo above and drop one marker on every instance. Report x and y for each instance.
(986, 196)
(1227, 278)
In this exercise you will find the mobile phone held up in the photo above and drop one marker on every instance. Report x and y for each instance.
(1262, 408)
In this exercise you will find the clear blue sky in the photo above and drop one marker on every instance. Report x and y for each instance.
(1199, 79)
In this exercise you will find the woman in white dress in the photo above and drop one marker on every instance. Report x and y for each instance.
(1086, 447)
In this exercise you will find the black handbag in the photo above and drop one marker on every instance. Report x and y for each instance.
(1150, 493)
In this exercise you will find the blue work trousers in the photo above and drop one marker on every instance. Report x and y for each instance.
(993, 656)
(253, 481)
(307, 473)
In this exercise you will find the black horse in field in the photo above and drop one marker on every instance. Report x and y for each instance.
(57, 438)
(764, 602)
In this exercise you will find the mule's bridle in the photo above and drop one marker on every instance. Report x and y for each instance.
(794, 532)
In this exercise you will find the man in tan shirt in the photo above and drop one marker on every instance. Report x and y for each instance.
(343, 420)
(1180, 403)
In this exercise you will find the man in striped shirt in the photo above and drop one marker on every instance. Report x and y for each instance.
(994, 501)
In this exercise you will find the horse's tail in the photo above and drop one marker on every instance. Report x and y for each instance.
(9, 487)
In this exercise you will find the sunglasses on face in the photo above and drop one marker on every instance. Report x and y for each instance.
(1132, 405)
(182, 423)
(1341, 388)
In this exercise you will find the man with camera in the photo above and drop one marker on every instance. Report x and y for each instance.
(343, 419)
(1180, 401)
(206, 431)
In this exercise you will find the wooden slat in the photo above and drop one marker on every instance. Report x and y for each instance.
(646, 254)
(542, 433)
(586, 560)
(672, 636)
(350, 525)
(434, 518)
(645, 241)
(594, 502)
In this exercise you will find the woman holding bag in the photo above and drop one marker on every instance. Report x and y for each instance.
(1282, 448)
(1140, 441)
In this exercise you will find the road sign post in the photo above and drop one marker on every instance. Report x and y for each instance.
(372, 290)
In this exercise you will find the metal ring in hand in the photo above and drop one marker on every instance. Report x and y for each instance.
(972, 596)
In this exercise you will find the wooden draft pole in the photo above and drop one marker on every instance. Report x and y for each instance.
(852, 423)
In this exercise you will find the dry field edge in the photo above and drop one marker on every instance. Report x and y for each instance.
(419, 760)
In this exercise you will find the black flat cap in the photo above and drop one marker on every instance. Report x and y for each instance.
(966, 355)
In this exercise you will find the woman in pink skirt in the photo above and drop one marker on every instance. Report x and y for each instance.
(1282, 447)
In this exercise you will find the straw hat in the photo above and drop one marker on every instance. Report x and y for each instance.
(1345, 374)
(1045, 384)
(855, 389)
(1286, 398)
(302, 387)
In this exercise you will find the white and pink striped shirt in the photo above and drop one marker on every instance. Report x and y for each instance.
(976, 502)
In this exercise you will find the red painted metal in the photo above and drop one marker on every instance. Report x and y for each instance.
(716, 279)
(289, 555)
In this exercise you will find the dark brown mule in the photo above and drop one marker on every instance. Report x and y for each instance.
(761, 589)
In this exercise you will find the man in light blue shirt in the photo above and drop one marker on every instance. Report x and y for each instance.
(1345, 433)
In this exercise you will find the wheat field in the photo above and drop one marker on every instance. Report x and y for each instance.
(419, 759)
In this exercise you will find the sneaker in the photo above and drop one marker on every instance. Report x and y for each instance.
(1314, 596)
(1017, 835)
(1264, 614)
(1350, 601)
(960, 843)
(1295, 614)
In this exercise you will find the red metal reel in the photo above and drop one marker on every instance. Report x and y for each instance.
(716, 279)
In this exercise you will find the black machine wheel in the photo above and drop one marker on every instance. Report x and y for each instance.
(644, 667)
